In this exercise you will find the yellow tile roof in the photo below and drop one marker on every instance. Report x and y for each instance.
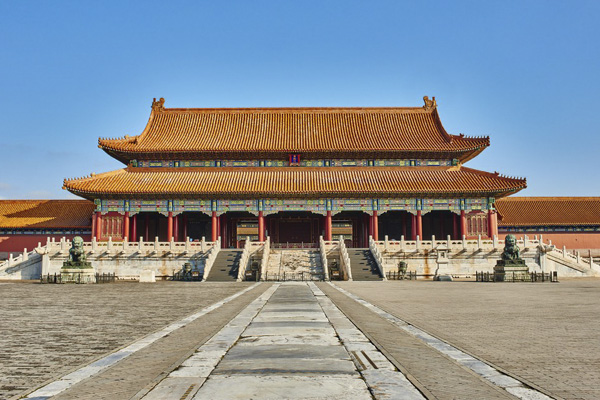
(549, 211)
(45, 213)
(254, 131)
(292, 182)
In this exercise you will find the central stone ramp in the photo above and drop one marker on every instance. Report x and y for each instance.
(294, 265)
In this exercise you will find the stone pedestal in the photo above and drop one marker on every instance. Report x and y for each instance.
(511, 271)
(77, 272)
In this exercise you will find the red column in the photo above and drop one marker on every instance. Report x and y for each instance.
(328, 226)
(134, 228)
(375, 226)
(261, 227)
(463, 224)
(94, 225)
(126, 225)
(492, 223)
(214, 226)
(147, 228)
(413, 227)
(170, 226)
(419, 225)
(176, 228)
(185, 223)
(98, 225)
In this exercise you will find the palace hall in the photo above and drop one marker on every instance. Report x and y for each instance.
(293, 174)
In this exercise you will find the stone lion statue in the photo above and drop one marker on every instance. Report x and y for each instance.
(511, 250)
(77, 253)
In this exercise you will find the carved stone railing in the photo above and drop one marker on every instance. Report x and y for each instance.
(244, 260)
(323, 253)
(344, 259)
(212, 256)
(265, 258)
(373, 246)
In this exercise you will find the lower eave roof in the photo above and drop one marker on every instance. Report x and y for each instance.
(549, 211)
(45, 214)
(292, 182)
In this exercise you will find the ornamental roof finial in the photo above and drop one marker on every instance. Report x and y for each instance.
(158, 106)
(429, 104)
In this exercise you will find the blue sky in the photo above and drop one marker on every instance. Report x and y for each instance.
(526, 73)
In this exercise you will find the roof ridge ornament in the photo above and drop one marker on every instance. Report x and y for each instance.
(429, 104)
(158, 106)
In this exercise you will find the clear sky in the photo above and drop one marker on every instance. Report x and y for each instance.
(526, 73)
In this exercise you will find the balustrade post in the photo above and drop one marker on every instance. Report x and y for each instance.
(433, 241)
(479, 242)
(25, 255)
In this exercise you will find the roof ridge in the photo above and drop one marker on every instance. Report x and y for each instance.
(551, 198)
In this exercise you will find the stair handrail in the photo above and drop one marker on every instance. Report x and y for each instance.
(212, 256)
(265, 258)
(323, 258)
(377, 256)
(13, 261)
(244, 260)
(344, 258)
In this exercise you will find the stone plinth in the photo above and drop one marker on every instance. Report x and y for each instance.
(75, 274)
(147, 276)
(511, 270)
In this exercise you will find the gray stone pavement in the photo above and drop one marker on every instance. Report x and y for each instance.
(47, 330)
(544, 334)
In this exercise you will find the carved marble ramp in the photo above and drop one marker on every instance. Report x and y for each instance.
(290, 343)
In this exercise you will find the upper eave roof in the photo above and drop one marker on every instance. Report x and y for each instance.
(206, 132)
(293, 182)
(549, 211)
(40, 214)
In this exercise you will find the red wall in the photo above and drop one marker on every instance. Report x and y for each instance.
(574, 241)
(16, 243)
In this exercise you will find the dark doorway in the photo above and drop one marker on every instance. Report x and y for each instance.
(294, 227)
(438, 223)
(395, 224)
(198, 225)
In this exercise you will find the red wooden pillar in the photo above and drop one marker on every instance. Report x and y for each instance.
(214, 226)
(419, 225)
(463, 224)
(492, 223)
(170, 226)
(147, 228)
(93, 225)
(261, 227)
(185, 227)
(375, 226)
(126, 225)
(413, 227)
(98, 225)
(328, 229)
(176, 228)
(134, 228)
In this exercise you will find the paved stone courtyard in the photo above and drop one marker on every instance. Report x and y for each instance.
(545, 335)
(47, 330)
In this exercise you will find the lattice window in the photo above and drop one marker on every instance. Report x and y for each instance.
(477, 224)
(112, 226)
